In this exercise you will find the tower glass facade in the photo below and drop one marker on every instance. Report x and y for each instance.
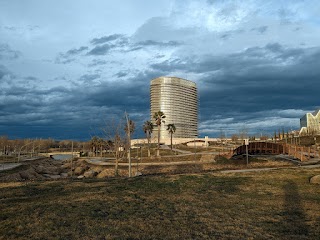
(177, 98)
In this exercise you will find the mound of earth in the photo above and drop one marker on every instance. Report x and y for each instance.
(54, 169)
(36, 170)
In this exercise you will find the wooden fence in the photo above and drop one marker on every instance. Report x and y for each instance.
(269, 148)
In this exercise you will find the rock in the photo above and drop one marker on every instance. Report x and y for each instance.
(67, 165)
(80, 177)
(315, 179)
(79, 170)
(106, 173)
(90, 174)
(138, 174)
(30, 174)
(64, 175)
(40, 169)
(52, 176)
(52, 170)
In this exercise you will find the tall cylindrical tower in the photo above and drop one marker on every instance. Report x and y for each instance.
(177, 98)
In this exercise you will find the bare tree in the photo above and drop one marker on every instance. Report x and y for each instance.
(234, 137)
(115, 140)
(3, 144)
(222, 135)
(243, 132)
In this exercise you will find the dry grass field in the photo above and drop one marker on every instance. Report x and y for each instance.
(279, 204)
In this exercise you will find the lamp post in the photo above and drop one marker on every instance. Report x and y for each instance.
(246, 142)
(129, 143)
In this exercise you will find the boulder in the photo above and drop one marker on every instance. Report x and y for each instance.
(64, 175)
(30, 174)
(315, 179)
(52, 176)
(79, 170)
(90, 174)
(40, 169)
(106, 173)
(67, 165)
(52, 170)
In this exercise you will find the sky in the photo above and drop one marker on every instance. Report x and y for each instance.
(68, 67)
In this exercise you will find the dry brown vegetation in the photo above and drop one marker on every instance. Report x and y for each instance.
(279, 204)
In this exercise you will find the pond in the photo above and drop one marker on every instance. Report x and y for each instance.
(62, 156)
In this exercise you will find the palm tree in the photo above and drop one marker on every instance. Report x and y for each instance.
(148, 128)
(159, 116)
(171, 128)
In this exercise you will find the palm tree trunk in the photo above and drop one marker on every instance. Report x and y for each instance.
(171, 140)
(158, 150)
(148, 138)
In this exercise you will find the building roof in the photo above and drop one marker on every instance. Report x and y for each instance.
(316, 112)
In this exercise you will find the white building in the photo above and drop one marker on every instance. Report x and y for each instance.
(310, 123)
(177, 98)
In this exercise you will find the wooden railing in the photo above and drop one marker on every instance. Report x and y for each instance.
(299, 152)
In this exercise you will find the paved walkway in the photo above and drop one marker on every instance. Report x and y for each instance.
(267, 169)
(8, 166)
(102, 163)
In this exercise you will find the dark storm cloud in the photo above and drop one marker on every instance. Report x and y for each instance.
(261, 29)
(31, 78)
(249, 85)
(7, 53)
(100, 50)
(158, 44)
(70, 55)
(76, 51)
(130, 93)
(97, 62)
(3, 71)
(125, 45)
(89, 77)
(78, 111)
(105, 39)
(262, 89)
(105, 44)
(42, 113)
(113, 98)
(121, 74)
